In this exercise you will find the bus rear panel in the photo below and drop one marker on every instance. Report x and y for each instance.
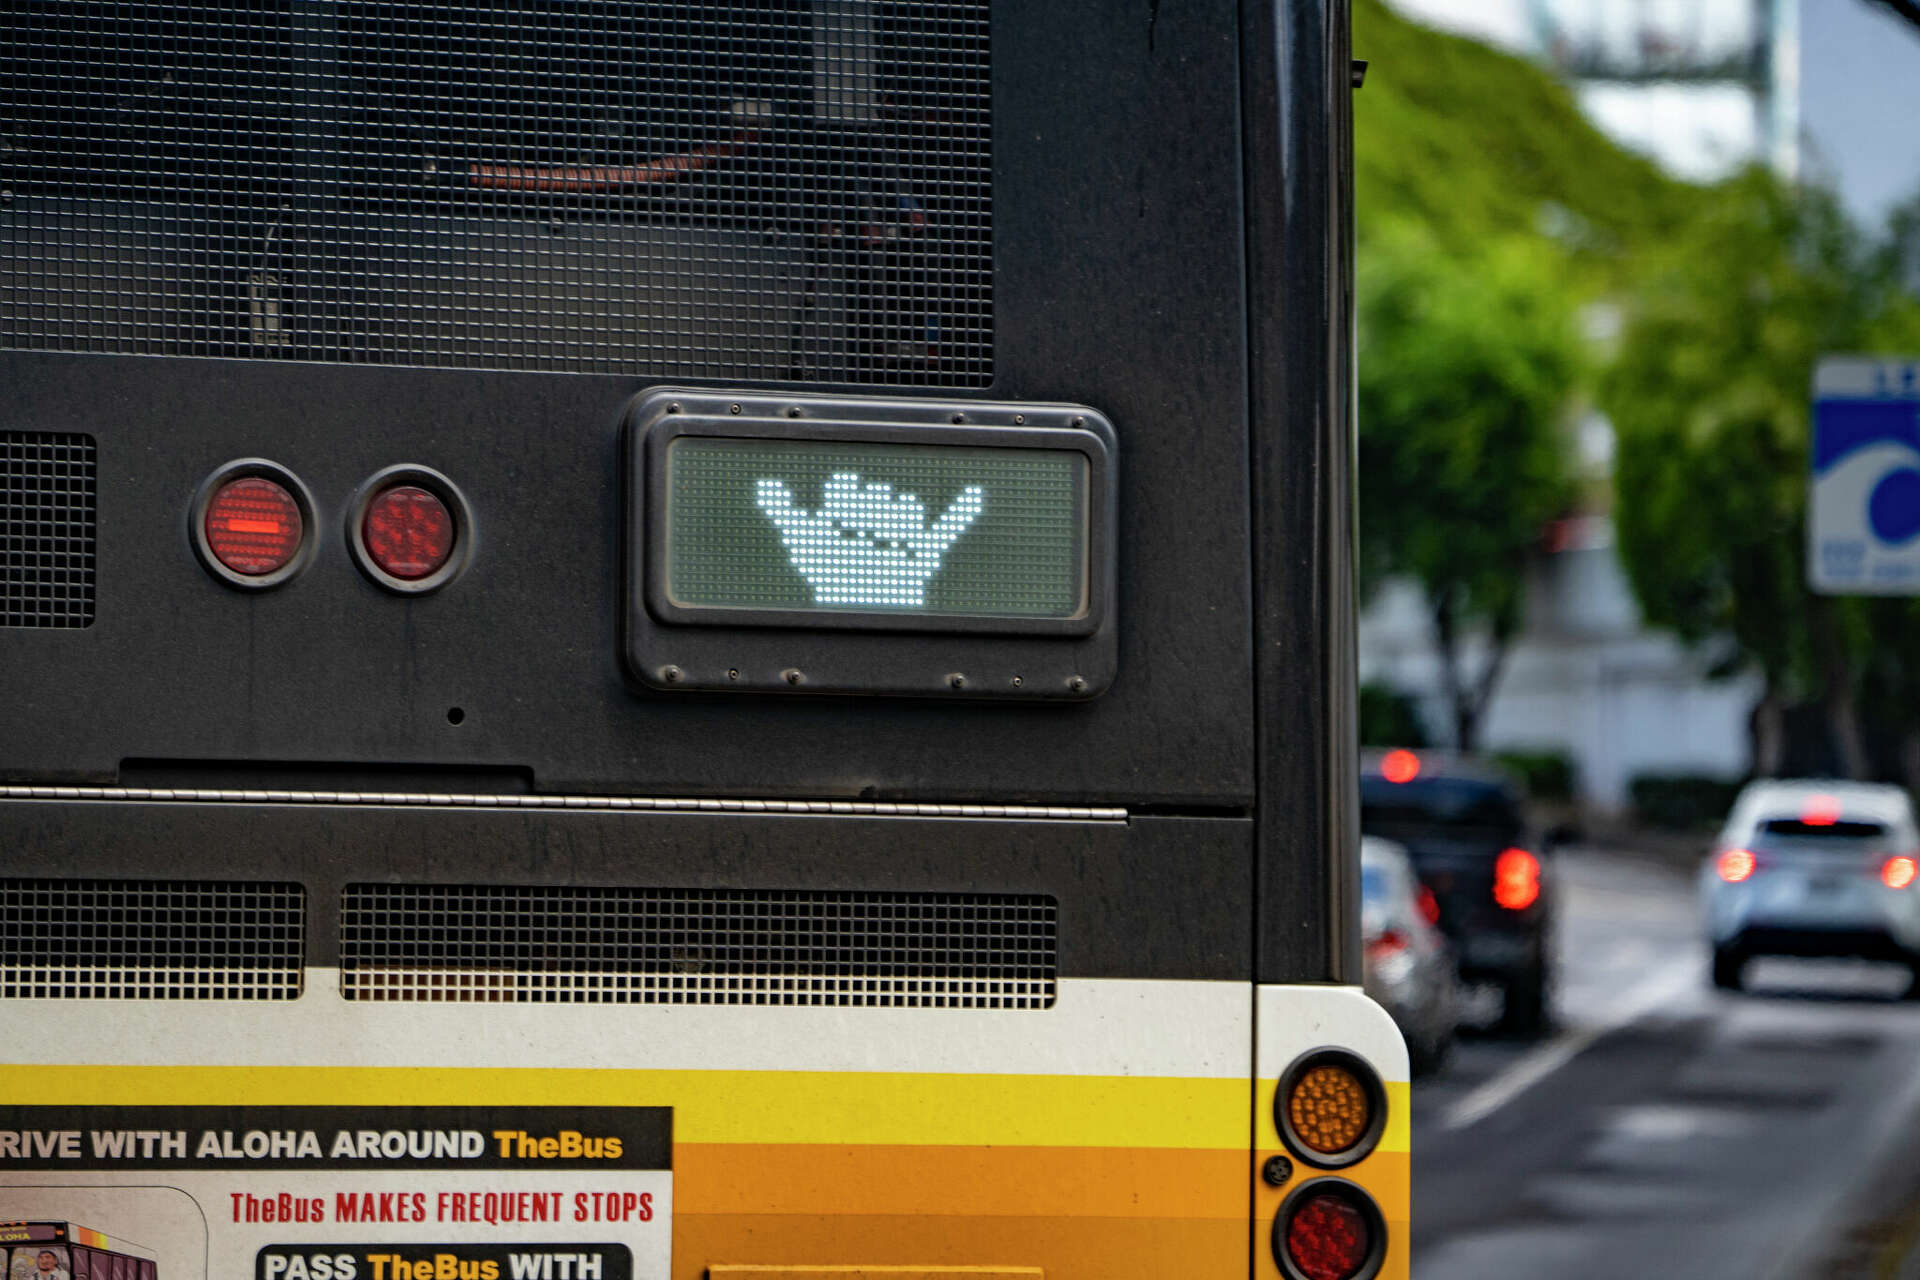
(645, 641)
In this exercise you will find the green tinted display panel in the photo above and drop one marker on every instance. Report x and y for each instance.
(845, 527)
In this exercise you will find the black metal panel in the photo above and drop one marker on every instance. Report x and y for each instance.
(1118, 247)
(1147, 898)
(1297, 91)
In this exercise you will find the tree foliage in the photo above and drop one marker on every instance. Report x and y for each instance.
(1709, 396)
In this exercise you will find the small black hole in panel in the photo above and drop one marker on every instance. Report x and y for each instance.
(455, 715)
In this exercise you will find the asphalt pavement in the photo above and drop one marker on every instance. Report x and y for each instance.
(1666, 1129)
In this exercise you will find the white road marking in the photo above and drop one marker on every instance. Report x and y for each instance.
(1660, 988)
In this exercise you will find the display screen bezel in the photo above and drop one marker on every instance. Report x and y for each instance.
(1093, 500)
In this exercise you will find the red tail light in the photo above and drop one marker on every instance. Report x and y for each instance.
(1429, 905)
(1390, 943)
(1516, 879)
(1400, 766)
(253, 526)
(1899, 871)
(1329, 1238)
(1736, 865)
(408, 531)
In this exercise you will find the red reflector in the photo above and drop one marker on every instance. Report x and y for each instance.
(1328, 1238)
(1516, 879)
(1736, 865)
(253, 526)
(1899, 872)
(408, 531)
(1400, 766)
(1429, 906)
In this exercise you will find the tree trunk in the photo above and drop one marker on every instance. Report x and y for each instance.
(1836, 694)
(1468, 704)
(1446, 643)
(1767, 732)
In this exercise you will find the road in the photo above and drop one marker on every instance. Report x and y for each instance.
(1666, 1129)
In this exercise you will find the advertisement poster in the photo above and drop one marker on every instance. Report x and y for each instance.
(336, 1193)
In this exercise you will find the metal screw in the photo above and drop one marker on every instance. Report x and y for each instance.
(791, 675)
(733, 408)
(1078, 684)
(1019, 419)
(794, 412)
(1276, 1171)
(1016, 682)
(674, 407)
(959, 417)
(733, 673)
(1079, 422)
(671, 674)
(957, 681)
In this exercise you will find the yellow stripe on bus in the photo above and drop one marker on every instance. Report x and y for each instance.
(778, 1107)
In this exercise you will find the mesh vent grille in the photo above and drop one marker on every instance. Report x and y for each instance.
(773, 189)
(698, 946)
(46, 529)
(151, 939)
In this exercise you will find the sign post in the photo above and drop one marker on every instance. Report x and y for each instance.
(1863, 511)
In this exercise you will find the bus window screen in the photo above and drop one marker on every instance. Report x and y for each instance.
(833, 526)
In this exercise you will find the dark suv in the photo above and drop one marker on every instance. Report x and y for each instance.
(1463, 824)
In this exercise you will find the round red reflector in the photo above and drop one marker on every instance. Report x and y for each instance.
(1328, 1238)
(408, 532)
(1899, 872)
(1400, 766)
(1736, 865)
(253, 526)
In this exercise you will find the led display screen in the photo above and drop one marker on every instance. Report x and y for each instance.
(828, 526)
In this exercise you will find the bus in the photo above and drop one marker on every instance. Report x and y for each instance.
(678, 640)
(66, 1251)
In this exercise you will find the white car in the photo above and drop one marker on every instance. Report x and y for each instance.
(1814, 868)
(1409, 965)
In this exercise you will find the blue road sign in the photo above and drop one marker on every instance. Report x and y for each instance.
(1863, 514)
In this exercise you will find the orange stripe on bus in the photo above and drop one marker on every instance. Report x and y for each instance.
(1063, 1248)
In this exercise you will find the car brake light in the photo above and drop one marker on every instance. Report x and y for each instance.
(1400, 766)
(1736, 865)
(1328, 1238)
(1899, 871)
(1429, 905)
(1516, 879)
(1820, 811)
(1388, 944)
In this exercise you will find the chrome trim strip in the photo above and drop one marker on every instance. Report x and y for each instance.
(643, 804)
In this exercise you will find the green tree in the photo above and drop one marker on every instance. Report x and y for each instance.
(1710, 399)
(1466, 366)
